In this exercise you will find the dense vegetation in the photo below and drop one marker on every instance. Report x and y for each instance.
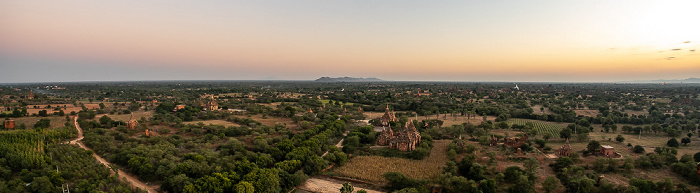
(280, 131)
(35, 160)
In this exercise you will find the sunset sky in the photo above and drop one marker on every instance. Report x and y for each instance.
(563, 41)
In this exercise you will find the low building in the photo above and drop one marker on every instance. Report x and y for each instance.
(178, 107)
(607, 150)
(9, 124)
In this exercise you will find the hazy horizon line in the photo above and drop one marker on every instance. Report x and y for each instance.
(382, 81)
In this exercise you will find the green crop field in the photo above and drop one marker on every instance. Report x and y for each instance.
(542, 127)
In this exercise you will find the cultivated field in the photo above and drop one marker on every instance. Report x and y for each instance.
(372, 168)
(541, 126)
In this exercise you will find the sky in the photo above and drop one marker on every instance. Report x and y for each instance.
(519, 41)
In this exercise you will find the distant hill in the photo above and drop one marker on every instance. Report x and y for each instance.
(348, 79)
(661, 81)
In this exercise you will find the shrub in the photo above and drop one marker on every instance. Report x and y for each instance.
(672, 142)
(638, 149)
(163, 131)
(619, 138)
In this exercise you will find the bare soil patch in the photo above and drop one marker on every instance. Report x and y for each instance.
(324, 185)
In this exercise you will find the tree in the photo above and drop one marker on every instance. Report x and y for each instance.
(593, 146)
(619, 138)
(565, 133)
(105, 119)
(42, 185)
(455, 184)
(696, 157)
(685, 140)
(638, 149)
(398, 181)
(264, 180)
(531, 165)
(672, 142)
(43, 123)
(347, 188)
(314, 165)
(561, 163)
(244, 187)
(546, 136)
(362, 191)
(405, 190)
(550, 184)
(541, 143)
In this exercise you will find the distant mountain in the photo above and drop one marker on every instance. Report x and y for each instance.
(661, 81)
(348, 79)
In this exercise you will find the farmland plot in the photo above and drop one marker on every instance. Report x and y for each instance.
(372, 168)
(542, 127)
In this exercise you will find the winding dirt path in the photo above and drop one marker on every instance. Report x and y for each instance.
(133, 180)
(339, 145)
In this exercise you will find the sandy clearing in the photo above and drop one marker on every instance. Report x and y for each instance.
(315, 184)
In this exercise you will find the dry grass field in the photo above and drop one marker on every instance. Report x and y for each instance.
(372, 168)
(271, 121)
(536, 109)
(213, 122)
(67, 108)
(649, 142)
(56, 121)
(587, 112)
(271, 105)
(631, 112)
(125, 117)
(447, 121)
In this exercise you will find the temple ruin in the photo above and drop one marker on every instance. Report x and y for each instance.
(404, 140)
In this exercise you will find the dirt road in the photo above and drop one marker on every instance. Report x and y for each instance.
(133, 180)
(339, 145)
